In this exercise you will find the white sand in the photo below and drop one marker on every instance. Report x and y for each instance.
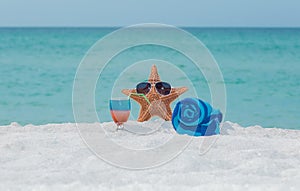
(53, 156)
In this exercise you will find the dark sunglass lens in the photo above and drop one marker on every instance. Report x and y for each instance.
(163, 88)
(143, 88)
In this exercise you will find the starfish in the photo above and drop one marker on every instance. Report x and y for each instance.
(153, 103)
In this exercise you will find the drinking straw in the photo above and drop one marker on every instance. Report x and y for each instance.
(141, 95)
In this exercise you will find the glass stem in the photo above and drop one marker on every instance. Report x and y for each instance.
(120, 126)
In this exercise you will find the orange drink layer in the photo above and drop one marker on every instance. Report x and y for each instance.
(120, 116)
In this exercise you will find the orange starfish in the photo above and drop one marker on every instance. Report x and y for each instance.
(157, 104)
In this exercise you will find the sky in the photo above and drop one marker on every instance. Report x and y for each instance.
(198, 13)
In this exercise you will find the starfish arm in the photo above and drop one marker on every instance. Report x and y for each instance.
(165, 112)
(168, 114)
(128, 91)
(144, 115)
(175, 93)
(180, 90)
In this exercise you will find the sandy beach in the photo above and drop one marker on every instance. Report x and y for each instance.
(54, 157)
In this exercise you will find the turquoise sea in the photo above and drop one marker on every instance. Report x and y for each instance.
(260, 67)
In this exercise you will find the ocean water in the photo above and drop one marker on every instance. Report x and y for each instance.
(260, 67)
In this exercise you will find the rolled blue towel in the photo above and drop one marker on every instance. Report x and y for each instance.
(195, 117)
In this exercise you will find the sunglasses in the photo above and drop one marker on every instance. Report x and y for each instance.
(162, 88)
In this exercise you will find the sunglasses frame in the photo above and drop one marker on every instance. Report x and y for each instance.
(151, 85)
